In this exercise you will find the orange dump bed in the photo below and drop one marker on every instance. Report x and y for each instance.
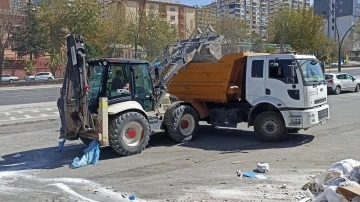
(220, 81)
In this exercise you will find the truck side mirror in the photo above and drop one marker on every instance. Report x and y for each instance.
(291, 71)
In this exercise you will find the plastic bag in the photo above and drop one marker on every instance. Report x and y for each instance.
(330, 195)
(344, 167)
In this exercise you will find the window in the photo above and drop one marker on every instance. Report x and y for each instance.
(172, 9)
(143, 86)
(257, 68)
(172, 17)
(341, 76)
(95, 81)
(349, 77)
(281, 72)
(118, 81)
(328, 76)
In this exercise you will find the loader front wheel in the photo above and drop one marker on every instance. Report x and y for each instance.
(184, 124)
(129, 133)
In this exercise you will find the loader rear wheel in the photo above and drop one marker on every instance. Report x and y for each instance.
(184, 124)
(269, 127)
(129, 133)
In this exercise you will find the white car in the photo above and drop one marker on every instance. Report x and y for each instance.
(336, 63)
(9, 78)
(41, 76)
(338, 82)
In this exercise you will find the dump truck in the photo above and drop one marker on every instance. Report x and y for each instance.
(121, 102)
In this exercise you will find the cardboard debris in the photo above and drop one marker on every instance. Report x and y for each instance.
(349, 192)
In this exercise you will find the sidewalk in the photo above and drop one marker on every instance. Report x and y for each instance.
(31, 87)
(28, 113)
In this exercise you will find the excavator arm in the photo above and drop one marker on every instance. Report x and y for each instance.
(73, 104)
(200, 47)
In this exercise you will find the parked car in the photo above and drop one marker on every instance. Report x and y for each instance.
(41, 76)
(336, 63)
(9, 78)
(338, 82)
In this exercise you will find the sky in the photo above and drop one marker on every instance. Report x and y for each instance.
(205, 2)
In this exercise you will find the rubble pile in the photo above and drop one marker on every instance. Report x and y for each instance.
(339, 183)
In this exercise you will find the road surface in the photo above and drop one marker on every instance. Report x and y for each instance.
(195, 171)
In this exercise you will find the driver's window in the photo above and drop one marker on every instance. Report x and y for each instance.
(348, 77)
(281, 72)
(118, 81)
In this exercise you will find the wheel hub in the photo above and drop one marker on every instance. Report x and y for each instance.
(270, 127)
(184, 124)
(131, 133)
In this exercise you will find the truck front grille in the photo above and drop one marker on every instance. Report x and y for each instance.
(321, 100)
(323, 114)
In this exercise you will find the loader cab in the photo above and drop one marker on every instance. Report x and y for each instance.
(120, 80)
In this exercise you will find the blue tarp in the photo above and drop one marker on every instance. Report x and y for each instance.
(91, 156)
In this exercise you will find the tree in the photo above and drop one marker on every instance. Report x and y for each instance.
(234, 30)
(8, 20)
(158, 34)
(28, 67)
(27, 36)
(258, 45)
(300, 28)
(59, 18)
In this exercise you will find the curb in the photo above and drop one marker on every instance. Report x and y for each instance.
(29, 122)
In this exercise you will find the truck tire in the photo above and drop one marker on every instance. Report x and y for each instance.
(269, 126)
(184, 124)
(86, 141)
(129, 133)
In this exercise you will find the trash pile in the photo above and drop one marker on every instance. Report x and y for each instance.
(339, 183)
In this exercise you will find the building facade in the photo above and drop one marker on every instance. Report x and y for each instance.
(205, 15)
(276, 5)
(178, 15)
(346, 13)
(254, 12)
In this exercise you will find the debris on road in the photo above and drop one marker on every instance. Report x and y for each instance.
(339, 183)
(132, 197)
(17, 156)
(91, 156)
(237, 162)
(263, 167)
(250, 175)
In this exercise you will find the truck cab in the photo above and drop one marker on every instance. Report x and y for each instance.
(295, 84)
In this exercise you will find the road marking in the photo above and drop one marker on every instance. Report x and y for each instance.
(7, 113)
(20, 112)
(36, 111)
(28, 116)
(12, 118)
(44, 115)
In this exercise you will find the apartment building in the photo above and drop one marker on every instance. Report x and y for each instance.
(205, 15)
(254, 12)
(276, 5)
(347, 12)
(17, 5)
(178, 15)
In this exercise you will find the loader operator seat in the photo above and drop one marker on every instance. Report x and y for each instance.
(117, 82)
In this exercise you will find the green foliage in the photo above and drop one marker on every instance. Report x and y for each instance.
(28, 68)
(27, 36)
(300, 28)
(258, 42)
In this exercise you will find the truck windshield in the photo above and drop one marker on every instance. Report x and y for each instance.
(310, 72)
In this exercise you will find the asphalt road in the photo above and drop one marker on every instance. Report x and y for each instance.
(36, 95)
(195, 171)
(29, 95)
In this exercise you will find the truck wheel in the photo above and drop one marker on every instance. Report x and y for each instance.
(293, 130)
(129, 133)
(269, 126)
(184, 124)
(86, 141)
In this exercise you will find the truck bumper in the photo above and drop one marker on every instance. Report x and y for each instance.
(305, 119)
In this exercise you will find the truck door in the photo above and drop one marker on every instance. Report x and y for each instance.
(280, 84)
(255, 82)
